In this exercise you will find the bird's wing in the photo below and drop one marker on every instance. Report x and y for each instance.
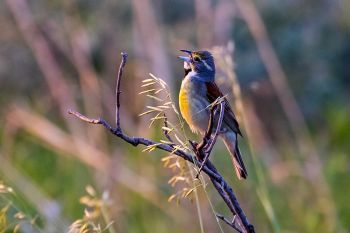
(213, 92)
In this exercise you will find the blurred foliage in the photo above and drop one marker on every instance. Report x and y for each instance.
(50, 167)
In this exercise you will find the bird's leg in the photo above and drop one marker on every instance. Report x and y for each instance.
(204, 151)
(197, 149)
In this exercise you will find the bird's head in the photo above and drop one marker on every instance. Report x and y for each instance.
(199, 62)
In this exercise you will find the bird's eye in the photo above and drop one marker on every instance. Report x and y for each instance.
(196, 58)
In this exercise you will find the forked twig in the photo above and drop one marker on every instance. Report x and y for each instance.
(230, 223)
(208, 168)
(166, 132)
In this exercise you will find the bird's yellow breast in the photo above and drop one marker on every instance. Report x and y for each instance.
(184, 104)
(193, 104)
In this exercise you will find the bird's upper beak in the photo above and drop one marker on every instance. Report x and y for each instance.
(186, 51)
(186, 59)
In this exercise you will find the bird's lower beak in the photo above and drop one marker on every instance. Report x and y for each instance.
(185, 59)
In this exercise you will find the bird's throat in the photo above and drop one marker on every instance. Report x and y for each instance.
(187, 68)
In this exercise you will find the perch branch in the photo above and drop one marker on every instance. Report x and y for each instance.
(232, 223)
(208, 132)
(209, 141)
(218, 127)
(208, 168)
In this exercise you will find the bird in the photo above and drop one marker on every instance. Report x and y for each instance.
(198, 91)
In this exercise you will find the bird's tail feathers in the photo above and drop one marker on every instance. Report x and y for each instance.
(231, 142)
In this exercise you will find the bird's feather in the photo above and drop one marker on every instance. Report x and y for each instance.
(231, 142)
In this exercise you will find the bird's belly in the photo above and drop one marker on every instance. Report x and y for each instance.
(194, 107)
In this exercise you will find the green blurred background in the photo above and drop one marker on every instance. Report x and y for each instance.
(291, 73)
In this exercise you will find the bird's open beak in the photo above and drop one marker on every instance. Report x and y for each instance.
(186, 59)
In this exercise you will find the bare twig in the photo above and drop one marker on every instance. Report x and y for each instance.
(117, 89)
(230, 223)
(218, 127)
(218, 181)
(166, 132)
(52, 137)
(212, 141)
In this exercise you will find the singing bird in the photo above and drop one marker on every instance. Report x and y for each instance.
(198, 91)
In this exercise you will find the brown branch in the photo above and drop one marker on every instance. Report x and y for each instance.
(208, 132)
(208, 168)
(230, 223)
(117, 88)
(218, 127)
(166, 132)
(209, 144)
